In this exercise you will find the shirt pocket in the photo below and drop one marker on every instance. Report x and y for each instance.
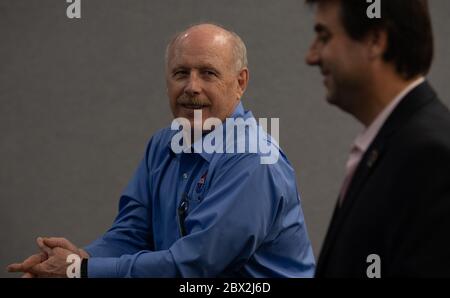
(197, 194)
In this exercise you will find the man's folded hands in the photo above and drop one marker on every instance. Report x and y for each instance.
(51, 261)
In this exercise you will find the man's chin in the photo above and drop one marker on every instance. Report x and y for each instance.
(189, 113)
(338, 101)
(198, 125)
(331, 99)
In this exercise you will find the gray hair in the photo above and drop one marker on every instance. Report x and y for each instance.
(238, 46)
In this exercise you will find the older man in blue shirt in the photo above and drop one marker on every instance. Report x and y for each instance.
(199, 214)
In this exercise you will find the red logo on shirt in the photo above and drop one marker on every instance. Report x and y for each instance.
(201, 182)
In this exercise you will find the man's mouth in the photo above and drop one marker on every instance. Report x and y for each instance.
(193, 106)
(324, 72)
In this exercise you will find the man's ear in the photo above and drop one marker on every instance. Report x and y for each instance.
(242, 78)
(377, 42)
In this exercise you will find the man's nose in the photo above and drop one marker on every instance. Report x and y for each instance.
(312, 57)
(193, 86)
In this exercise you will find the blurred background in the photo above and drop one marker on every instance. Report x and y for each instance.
(80, 98)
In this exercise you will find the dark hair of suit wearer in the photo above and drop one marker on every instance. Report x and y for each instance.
(408, 26)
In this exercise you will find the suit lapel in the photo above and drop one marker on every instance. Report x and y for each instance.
(365, 167)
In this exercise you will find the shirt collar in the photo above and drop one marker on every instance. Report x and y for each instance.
(239, 112)
(363, 140)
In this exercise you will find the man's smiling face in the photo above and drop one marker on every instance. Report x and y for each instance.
(202, 75)
(342, 60)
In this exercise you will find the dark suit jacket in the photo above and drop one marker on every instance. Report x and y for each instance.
(398, 203)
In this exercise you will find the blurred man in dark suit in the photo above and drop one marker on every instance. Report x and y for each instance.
(393, 210)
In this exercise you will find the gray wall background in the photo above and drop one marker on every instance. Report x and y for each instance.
(79, 100)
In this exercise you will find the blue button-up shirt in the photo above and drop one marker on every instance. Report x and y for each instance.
(242, 218)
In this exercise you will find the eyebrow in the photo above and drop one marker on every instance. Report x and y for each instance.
(177, 69)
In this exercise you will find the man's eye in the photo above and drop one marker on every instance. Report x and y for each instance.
(180, 73)
(210, 73)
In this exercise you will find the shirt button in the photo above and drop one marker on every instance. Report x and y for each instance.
(185, 176)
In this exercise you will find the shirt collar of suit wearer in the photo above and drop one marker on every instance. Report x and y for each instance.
(364, 139)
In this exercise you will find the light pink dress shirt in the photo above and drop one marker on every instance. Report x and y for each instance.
(363, 140)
